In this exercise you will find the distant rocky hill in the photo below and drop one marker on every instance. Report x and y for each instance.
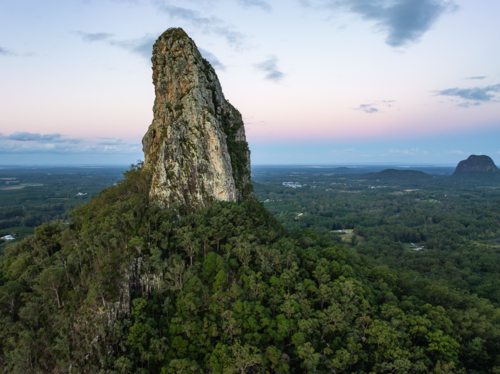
(196, 145)
(475, 171)
(476, 164)
(394, 176)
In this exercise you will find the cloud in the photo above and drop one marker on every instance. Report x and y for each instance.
(112, 142)
(94, 37)
(411, 151)
(214, 61)
(367, 108)
(23, 136)
(468, 104)
(458, 152)
(476, 94)
(210, 25)
(400, 151)
(37, 147)
(270, 67)
(337, 152)
(403, 21)
(6, 52)
(257, 3)
(478, 77)
(142, 47)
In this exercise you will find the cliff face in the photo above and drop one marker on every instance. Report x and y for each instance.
(476, 164)
(196, 145)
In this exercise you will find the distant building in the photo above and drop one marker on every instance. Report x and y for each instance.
(417, 249)
(81, 194)
(292, 184)
(8, 238)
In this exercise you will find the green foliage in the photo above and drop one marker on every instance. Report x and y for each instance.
(49, 194)
(130, 288)
(238, 151)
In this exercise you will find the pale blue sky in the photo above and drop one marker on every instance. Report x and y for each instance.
(317, 81)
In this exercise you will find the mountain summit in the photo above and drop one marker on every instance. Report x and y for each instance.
(196, 145)
(476, 164)
(475, 171)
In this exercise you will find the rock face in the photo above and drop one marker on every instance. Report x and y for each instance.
(196, 145)
(476, 164)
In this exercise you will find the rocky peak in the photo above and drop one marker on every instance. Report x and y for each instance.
(476, 164)
(196, 144)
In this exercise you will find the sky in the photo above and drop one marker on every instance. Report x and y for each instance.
(317, 81)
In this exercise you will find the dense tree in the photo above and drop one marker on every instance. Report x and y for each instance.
(127, 287)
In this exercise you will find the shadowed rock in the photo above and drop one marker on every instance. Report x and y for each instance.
(196, 145)
(476, 164)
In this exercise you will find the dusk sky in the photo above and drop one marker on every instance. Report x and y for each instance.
(317, 81)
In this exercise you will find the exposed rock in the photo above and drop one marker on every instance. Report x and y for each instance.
(196, 145)
(476, 164)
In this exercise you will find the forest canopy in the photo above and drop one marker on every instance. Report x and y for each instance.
(127, 287)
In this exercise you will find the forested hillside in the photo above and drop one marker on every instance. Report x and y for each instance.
(451, 235)
(30, 196)
(130, 288)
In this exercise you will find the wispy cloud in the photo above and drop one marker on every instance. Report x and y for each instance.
(214, 61)
(400, 151)
(468, 104)
(142, 46)
(210, 25)
(94, 37)
(270, 67)
(6, 52)
(337, 152)
(403, 21)
(412, 151)
(458, 152)
(476, 95)
(112, 142)
(256, 3)
(35, 143)
(23, 136)
(367, 108)
(478, 77)
(58, 148)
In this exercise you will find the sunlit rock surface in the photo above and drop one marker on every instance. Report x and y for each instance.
(196, 145)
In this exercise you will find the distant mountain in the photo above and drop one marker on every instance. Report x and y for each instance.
(394, 176)
(476, 164)
(475, 171)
